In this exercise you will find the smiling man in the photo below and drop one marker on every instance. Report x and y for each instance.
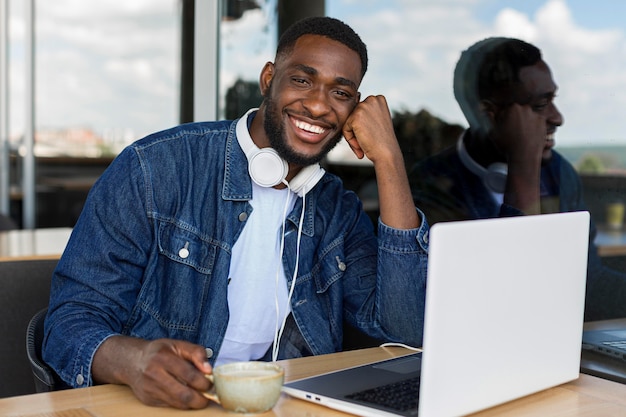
(505, 164)
(225, 241)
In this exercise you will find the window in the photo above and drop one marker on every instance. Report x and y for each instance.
(247, 41)
(414, 46)
(105, 74)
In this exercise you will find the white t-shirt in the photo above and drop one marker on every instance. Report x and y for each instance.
(257, 278)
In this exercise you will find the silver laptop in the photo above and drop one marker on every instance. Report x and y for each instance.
(608, 342)
(504, 319)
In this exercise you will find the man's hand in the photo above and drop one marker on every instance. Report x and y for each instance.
(521, 133)
(162, 372)
(369, 132)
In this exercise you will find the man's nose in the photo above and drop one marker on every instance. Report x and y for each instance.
(317, 102)
(556, 118)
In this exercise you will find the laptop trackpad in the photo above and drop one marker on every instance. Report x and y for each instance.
(401, 366)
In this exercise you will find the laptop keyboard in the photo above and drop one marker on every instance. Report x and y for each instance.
(400, 396)
(621, 344)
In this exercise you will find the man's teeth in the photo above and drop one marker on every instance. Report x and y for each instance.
(550, 136)
(309, 128)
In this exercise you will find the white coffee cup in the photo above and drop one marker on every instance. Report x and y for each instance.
(246, 387)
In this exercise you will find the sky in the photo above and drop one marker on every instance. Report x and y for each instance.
(112, 65)
(413, 51)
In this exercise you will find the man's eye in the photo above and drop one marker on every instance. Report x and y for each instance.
(543, 104)
(344, 95)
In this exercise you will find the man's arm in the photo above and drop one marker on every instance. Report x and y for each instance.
(369, 132)
(93, 290)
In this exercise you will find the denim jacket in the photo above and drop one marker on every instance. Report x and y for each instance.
(123, 271)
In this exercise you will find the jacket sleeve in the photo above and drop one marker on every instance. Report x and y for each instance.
(99, 275)
(392, 307)
(401, 279)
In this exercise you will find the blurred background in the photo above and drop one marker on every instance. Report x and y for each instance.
(81, 79)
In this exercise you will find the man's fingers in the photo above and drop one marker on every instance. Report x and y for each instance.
(191, 371)
(174, 375)
(349, 136)
(356, 148)
(172, 392)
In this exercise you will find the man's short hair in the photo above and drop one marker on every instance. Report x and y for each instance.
(488, 67)
(324, 26)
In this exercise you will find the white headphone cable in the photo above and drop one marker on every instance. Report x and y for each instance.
(279, 332)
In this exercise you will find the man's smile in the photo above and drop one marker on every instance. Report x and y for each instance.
(550, 140)
(308, 132)
(308, 127)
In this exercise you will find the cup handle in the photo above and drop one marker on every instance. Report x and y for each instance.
(211, 395)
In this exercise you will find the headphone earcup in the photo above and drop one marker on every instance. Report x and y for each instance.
(495, 177)
(306, 179)
(266, 167)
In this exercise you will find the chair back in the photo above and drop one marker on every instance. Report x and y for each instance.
(25, 290)
(45, 378)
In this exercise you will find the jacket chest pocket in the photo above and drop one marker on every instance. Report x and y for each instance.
(329, 269)
(185, 247)
(175, 292)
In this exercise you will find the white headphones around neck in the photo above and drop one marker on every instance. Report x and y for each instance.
(267, 168)
(494, 176)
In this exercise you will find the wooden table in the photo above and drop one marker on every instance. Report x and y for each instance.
(33, 244)
(586, 396)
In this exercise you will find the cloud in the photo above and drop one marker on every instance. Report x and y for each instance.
(414, 47)
(589, 69)
(76, 11)
(413, 50)
(112, 64)
(515, 24)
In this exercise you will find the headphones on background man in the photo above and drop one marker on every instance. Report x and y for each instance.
(268, 169)
(494, 176)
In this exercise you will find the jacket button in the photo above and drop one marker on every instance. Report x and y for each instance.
(340, 264)
(243, 217)
(184, 251)
(209, 353)
(80, 379)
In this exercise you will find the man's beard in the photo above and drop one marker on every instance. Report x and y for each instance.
(275, 131)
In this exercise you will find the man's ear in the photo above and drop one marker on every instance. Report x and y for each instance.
(265, 80)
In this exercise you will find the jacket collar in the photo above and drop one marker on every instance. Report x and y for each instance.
(238, 184)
